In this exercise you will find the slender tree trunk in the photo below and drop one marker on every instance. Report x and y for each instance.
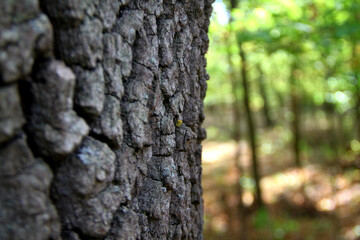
(251, 125)
(235, 86)
(237, 99)
(340, 128)
(333, 133)
(331, 116)
(236, 106)
(295, 108)
(355, 65)
(262, 87)
(101, 105)
(357, 109)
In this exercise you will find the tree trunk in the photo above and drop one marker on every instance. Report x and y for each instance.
(262, 87)
(251, 125)
(355, 64)
(100, 118)
(331, 116)
(333, 133)
(357, 110)
(241, 213)
(296, 115)
(235, 86)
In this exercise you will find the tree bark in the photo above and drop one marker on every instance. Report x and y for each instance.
(100, 118)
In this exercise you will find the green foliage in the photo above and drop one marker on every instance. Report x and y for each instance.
(315, 40)
(280, 226)
(261, 219)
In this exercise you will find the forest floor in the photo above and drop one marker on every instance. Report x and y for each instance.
(319, 201)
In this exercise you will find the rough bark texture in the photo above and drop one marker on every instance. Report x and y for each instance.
(100, 118)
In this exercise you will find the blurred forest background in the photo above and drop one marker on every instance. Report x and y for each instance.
(282, 156)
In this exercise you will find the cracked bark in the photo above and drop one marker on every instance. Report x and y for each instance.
(91, 93)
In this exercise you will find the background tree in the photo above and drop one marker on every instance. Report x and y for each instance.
(307, 51)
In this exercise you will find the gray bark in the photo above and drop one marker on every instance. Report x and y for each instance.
(100, 118)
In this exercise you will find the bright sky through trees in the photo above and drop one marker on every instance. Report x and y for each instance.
(220, 12)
